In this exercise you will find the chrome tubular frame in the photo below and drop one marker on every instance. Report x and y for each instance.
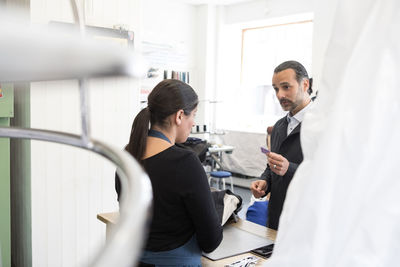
(135, 203)
(124, 247)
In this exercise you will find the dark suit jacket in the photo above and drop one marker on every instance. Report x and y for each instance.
(289, 147)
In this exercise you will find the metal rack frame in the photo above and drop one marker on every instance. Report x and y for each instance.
(124, 246)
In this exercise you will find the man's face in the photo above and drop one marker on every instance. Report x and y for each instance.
(290, 93)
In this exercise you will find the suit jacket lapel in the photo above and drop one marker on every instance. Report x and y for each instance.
(281, 133)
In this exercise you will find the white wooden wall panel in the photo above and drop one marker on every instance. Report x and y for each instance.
(69, 185)
(53, 201)
(68, 207)
(39, 204)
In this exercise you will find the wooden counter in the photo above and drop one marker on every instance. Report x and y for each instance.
(111, 218)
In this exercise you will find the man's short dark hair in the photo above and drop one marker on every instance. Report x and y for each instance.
(298, 68)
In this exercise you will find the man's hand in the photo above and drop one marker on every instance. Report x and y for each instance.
(258, 188)
(277, 163)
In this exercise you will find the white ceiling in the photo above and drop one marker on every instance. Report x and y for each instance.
(215, 2)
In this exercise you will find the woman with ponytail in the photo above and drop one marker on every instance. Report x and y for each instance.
(184, 221)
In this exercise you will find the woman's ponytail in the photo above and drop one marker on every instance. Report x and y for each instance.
(138, 138)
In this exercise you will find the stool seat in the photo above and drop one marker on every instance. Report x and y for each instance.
(220, 174)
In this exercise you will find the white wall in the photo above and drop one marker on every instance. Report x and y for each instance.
(70, 186)
(171, 24)
(192, 31)
(265, 9)
(181, 30)
(207, 30)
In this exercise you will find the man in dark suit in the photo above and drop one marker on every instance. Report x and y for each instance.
(293, 88)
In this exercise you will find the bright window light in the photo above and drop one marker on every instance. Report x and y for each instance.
(250, 103)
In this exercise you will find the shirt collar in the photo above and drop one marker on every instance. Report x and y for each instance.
(299, 115)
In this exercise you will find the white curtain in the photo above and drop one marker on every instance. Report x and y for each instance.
(343, 205)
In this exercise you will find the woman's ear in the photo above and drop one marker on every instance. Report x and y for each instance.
(178, 117)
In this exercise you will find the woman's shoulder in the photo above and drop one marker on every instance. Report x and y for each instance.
(184, 160)
(183, 153)
(177, 161)
(173, 154)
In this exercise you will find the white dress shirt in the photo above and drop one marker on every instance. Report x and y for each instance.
(293, 121)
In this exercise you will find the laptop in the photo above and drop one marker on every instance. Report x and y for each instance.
(237, 241)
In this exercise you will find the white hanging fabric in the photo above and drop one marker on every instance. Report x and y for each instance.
(343, 205)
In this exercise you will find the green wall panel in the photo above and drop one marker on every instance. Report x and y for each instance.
(6, 112)
(5, 221)
(6, 100)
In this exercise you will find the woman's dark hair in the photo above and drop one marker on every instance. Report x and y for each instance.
(168, 97)
(299, 69)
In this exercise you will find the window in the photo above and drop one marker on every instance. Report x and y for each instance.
(252, 104)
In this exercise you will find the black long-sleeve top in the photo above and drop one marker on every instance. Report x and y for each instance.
(182, 204)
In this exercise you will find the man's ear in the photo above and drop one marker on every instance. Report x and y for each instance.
(306, 85)
(178, 117)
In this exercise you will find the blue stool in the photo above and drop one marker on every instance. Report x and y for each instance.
(221, 175)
